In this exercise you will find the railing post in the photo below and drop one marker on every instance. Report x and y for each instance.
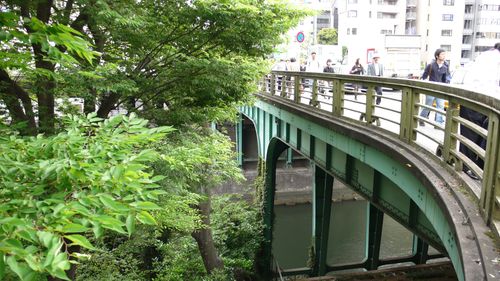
(337, 98)
(407, 122)
(369, 103)
(284, 86)
(296, 89)
(489, 195)
(314, 98)
(273, 84)
(451, 127)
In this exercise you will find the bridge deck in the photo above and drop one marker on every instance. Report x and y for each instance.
(442, 271)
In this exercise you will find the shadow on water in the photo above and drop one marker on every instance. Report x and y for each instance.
(347, 237)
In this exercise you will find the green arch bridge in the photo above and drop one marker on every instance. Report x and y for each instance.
(410, 172)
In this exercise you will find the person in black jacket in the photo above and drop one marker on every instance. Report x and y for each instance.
(477, 77)
(328, 67)
(436, 71)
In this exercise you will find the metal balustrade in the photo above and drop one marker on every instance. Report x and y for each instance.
(353, 97)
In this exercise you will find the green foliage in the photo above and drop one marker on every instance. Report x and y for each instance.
(120, 258)
(197, 158)
(174, 254)
(57, 191)
(15, 52)
(181, 260)
(345, 51)
(328, 36)
(237, 231)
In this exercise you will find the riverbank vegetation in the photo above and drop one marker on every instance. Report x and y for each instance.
(86, 196)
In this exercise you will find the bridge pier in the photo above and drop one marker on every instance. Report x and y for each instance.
(375, 223)
(322, 205)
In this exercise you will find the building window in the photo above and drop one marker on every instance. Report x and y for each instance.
(323, 21)
(467, 24)
(354, 31)
(448, 2)
(382, 15)
(447, 17)
(487, 7)
(446, 32)
(353, 2)
(446, 47)
(352, 14)
(348, 31)
(386, 31)
(482, 48)
(427, 32)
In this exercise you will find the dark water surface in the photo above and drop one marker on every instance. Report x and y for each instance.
(346, 244)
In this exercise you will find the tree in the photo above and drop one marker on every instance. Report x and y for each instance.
(55, 191)
(173, 62)
(200, 159)
(162, 54)
(328, 36)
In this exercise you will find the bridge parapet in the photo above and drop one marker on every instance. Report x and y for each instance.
(354, 97)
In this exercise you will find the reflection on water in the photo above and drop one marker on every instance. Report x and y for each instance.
(346, 243)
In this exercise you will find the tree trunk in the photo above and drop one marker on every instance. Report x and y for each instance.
(108, 103)
(11, 93)
(205, 241)
(44, 86)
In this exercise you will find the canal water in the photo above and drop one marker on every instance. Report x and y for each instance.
(347, 235)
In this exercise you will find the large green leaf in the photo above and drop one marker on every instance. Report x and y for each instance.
(146, 218)
(80, 240)
(2, 266)
(112, 204)
(130, 224)
(74, 228)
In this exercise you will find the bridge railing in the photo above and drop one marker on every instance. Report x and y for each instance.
(399, 111)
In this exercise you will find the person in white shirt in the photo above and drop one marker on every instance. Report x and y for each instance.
(313, 64)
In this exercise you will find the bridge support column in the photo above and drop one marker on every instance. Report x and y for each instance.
(275, 149)
(289, 157)
(239, 140)
(374, 239)
(420, 250)
(322, 205)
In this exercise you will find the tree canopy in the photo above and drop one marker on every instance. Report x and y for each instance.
(174, 62)
(328, 36)
(159, 56)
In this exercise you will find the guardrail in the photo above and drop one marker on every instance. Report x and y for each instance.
(354, 96)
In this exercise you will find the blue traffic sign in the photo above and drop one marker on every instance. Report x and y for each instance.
(300, 37)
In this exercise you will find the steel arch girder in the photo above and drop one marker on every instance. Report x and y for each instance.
(355, 163)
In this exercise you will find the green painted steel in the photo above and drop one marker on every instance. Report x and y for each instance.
(373, 237)
(239, 141)
(411, 102)
(322, 204)
(382, 169)
(356, 164)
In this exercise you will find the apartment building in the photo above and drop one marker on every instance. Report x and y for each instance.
(464, 28)
(440, 23)
(481, 27)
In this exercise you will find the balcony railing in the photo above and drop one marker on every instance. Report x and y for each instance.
(411, 3)
(411, 15)
(353, 97)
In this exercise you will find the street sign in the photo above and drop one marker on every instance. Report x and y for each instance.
(300, 37)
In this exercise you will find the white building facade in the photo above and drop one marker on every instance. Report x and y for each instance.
(464, 28)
